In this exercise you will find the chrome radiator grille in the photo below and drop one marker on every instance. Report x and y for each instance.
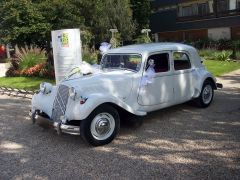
(60, 102)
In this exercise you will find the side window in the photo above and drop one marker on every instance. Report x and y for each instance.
(181, 61)
(161, 62)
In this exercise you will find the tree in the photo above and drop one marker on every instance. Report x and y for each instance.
(31, 21)
(61, 14)
(22, 22)
(141, 12)
(113, 14)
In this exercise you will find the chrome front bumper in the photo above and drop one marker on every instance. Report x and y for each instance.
(68, 129)
(58, 126)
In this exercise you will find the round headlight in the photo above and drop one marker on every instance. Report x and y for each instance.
(42, 87)
(72, 93)
(46, 88)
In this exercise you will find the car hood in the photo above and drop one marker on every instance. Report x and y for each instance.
(116, 83)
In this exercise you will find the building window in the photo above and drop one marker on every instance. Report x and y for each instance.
(187, 11)
(193, 10)
(203, 9)
(223, 5)
(181, 61)
(238, 4)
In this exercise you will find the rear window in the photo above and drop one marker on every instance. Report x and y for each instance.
(181, 61)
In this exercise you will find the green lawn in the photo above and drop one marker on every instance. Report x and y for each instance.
(218, 68)
(28, 83)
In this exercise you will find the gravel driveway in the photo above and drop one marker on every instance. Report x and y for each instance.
(181, 142)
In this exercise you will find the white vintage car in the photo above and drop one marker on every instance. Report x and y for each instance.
(136, 79)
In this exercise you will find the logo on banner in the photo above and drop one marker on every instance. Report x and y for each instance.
(64, 40)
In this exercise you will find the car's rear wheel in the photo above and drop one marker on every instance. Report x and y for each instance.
(101, 127)
(206, 96)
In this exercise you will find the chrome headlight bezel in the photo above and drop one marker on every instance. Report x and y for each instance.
(43, 87)
(46, 88)
(72, 93)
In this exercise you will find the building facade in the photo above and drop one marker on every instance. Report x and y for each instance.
(179, 20)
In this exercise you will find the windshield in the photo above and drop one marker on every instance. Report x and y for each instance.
(130, 62)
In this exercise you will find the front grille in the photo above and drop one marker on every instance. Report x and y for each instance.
(60, 102)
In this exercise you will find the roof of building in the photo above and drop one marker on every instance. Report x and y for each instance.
(158, 3)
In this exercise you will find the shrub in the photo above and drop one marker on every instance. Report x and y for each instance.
(235, 47)
(39, 70)
(222, 44)
(90, 56)
(30, 56)
(47, 71)
(14, 66)
(207, 53)
(238, 55)
(222, 56)
(143, 39)
(33, 71)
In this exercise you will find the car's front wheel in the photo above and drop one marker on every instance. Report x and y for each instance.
(101, 127)
(206, 96)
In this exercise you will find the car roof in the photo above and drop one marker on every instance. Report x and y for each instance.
(151, 47)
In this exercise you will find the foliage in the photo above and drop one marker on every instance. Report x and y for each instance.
(31, 21)
(222, 56)
(214, 54)
(113, 14)
(218, 68)
(22, 22)
(30, 61)
(40, 70)
(90, 56)
(235, 47)
(222, 44)
(143, 39)
(60, 14)
(32, 71)
(86, 37)
(207, 53)
(141, 13)
(28, 83)
(29, 56)
(238, 55)
(115, 41)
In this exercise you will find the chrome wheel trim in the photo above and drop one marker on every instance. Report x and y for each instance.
(207, 94)
(102, 126)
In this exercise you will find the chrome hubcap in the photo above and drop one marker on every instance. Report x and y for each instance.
(207, 94)
(102, 126)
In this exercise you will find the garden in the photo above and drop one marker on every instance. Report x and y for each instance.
(26, 25)
(31, 65)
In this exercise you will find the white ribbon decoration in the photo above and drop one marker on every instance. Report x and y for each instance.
(148, 76)
(104, 47)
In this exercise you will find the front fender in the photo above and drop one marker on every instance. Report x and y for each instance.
(77, 111)
(44, 102)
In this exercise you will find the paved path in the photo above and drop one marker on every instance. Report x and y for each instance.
(181, 142)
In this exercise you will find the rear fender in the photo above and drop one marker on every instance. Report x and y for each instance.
(200, 77)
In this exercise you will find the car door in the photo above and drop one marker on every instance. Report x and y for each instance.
(182, 76)
(160, 90)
